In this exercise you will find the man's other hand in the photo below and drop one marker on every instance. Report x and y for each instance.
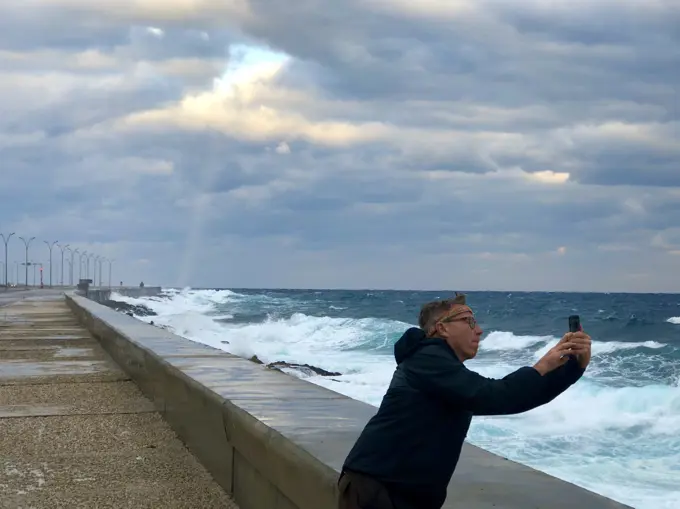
(573, 343)
(583, 352)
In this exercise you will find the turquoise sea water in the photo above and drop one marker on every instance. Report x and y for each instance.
(614, 432)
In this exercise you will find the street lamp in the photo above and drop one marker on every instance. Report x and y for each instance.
(80, 264)
(51, 246)
(91, 256)
(73, 253)
(6, 241)
(94, 270)
(27, 243)
(64, 248)
(101, 260)
(99, 267)
(110, 263)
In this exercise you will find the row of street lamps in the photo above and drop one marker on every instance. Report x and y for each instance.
(98, 261)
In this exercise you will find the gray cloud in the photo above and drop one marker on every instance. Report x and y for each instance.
(395, 141)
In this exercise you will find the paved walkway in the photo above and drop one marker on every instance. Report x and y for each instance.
(75, 432)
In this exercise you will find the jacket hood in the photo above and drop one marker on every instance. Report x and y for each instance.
(409, 342)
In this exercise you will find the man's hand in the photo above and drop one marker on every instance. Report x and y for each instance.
(583, 353)
(573, 343)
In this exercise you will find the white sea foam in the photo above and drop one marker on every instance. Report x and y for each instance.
(675, 320)
(600, 348)
(620, 441)
(497, 341)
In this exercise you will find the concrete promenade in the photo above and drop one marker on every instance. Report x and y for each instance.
(75, 431)
(275, 441)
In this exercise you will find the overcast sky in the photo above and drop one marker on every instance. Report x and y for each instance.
(437, 144)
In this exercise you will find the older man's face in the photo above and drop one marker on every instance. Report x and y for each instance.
(462, 334)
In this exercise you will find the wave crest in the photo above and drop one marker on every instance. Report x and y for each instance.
(623, 414)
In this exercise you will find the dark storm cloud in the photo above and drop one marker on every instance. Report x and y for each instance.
(488, 55)
(337, 210)
(624, 165)
(101, 47)
(583, 65)
(86, 107)
(23, 28)
(176, 42)
(202, 162)
(111, 211)
(74, 28)
(658, 21)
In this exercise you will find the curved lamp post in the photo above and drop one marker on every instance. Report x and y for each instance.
(27, 243)
(64, 248)
(6, 241)
(73, 253)
(51, 245)
(80, 264)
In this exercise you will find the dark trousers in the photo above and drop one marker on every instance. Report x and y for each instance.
(360, 492)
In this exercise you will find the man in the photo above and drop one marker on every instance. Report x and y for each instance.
(408, 451)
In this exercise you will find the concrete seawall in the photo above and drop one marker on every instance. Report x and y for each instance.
(278, 442)
(99, 294)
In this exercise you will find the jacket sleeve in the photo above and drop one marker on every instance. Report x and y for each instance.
(449, 379)
(562, 378)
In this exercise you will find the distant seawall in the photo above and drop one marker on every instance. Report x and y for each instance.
(274, 441)
(103, 294)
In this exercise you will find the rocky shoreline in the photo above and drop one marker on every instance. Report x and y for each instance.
(305, 369)
(129, 309)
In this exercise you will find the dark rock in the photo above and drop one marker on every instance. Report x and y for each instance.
(159, 325)
(303, 368)
(129, 309)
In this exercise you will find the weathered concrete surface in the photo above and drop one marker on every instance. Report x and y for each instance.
(278, 442)
(98, 294)
(75, 431)
(9, 295)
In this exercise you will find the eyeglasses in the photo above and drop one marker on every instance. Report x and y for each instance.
(472, 322)
(454, 316)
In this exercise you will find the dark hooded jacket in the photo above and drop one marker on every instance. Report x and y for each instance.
(413, 443)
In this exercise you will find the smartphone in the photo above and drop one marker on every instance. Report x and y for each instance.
(574, 326)
(574, 323)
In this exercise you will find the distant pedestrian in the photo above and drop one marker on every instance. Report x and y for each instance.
(407, 453)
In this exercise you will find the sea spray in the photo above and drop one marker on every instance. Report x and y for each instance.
(614, 432)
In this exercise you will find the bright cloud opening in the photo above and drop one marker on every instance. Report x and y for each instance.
(249, 65)
(549, 177)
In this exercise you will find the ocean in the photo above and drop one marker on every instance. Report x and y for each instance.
(615, 432)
